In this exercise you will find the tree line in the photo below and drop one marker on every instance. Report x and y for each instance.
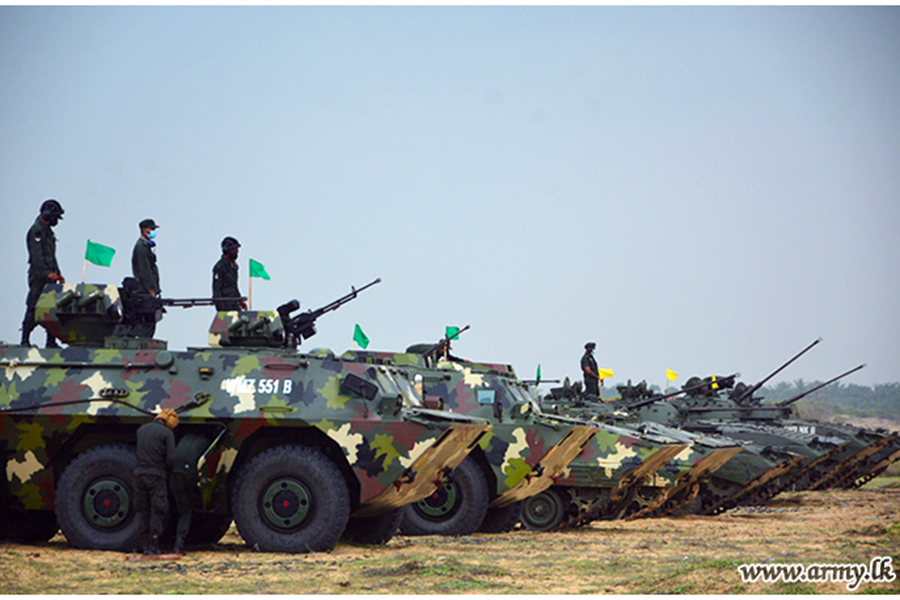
(881, 398)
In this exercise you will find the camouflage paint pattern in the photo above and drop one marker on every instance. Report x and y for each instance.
(721, 478)
(369, 419)
(527, 449)
(852, 454)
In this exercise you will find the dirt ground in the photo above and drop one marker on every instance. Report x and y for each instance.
(697, 555)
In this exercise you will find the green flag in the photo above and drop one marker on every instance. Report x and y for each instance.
(452, 333)
(99, 254)
(538, 378)
(258, 270)
(360, 338)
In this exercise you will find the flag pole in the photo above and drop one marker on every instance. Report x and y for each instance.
(250, 295)
(83, 270)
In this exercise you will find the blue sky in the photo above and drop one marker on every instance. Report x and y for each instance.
(707, 189)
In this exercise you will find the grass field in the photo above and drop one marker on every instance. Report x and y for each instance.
(697, 555)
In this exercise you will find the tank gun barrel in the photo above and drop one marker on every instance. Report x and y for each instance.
(790, 401)
(642, 403)
(303, 326)
(752, 390)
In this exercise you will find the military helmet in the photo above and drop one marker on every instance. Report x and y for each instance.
(51, 208)
(229, 243)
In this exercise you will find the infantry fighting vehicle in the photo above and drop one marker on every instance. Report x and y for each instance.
(863, 454)
(303, 447)
(579, 499)
(713, 406)
(526, 451)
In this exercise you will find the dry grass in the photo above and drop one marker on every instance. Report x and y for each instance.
(689, 555)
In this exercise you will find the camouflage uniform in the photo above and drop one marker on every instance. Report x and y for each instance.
(143, 266)
(225, 284)
(183, 480)
(155, 459)
(41, 263)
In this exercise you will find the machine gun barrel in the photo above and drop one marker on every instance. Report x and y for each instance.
(444, 343)
(189, 302)
(752, 390)
(642, 403)
(790, 401)
(303, 326)
(336, 304)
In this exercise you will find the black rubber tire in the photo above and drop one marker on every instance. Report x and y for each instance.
(502, 520)
(30, 526)
(297, 486)
(375, 531)
(458, 508)
(543, 512)
(104, 471)
(208, 528)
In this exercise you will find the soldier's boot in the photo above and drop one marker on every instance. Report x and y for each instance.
(152, 548)
(51, 341)
(179, 544)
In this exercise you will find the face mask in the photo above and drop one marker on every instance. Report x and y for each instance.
(152, 234)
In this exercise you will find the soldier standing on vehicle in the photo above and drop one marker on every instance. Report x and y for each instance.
(225, 277)
(183, 482)
(592, 381)
(42, 267)
(143, 267)
(155, 459)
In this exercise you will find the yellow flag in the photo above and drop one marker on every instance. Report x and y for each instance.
(604, 373)
(715, 385)
(670, 374)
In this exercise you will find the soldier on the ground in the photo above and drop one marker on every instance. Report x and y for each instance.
(592, 381)
(183, 482)
(225, 277)
(144, 269)
(155, 459)
(42, 266)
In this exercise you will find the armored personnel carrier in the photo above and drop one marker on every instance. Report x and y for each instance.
(526, 452)
(304, 448)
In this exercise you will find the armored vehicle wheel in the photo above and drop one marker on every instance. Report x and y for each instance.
(457, 508)
(291, 499)
(95, 500)
(30, 525)
(544, 511)
(373, 530)
(502, 520)
(207, 528)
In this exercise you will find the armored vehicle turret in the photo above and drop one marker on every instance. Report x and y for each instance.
(304, 448)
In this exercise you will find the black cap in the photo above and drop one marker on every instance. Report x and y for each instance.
(230, 243)
(148, 224)
(590, 345)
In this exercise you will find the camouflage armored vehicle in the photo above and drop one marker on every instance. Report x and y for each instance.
(579, 499)
(526, 451)
(858, 453)
(772, 459)
(304, 448)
